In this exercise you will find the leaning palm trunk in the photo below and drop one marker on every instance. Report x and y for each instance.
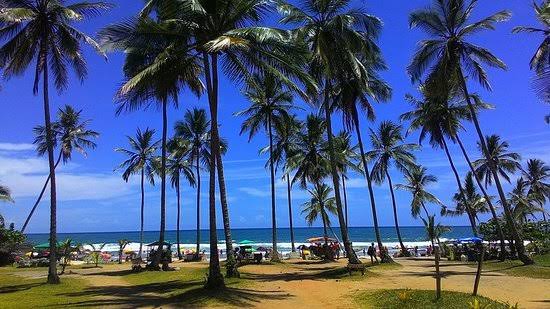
(53, 278)
(142, 211)
(502, 255)
(352, 257)
(289, 188)
(460, 189)
(198, 170)
(403, 248)
(40, 195)
(178, 198)
(275, 253)
(384, 257)
(215, 278)
(345, 199)
(520, 248)
(231, 263)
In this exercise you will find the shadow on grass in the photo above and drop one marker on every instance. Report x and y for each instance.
(445, 274)
(19, 287)
(171, 293)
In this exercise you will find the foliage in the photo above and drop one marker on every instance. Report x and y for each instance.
(320, 205)
(506, 162)
(417, 182)
(9, 240)
(5, 195)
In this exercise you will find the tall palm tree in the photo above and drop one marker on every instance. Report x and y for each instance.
(283, 149)
(177, 166)
(271, 105)
(70, 133)
(434, 231)
(447, 54)
(339, 38)
(476, 202)
(417, 180)
(156, 70)
(5, 194)
(346, 155)
(194, 128)
(524, 202)
(537, 175)
(140, 161)
(505, 162)
(320, 205)
(43, 31)
(540, 62)
(388, 148)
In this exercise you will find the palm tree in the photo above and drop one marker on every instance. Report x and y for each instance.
(524, 202)
(283, 149)
(140, 161)
(537, 176)
(505, 162)
(540, 62)
(339, 39)
(5, 194)
(476, 202)
(389, 147)
(43, 31)
(271, 105)
(417, 180)
(70, 133)
(434, 231)
(156, 71)
(345, 154)
(194, 128)
(320, 205)
(177, 166)
(446, 54)
(122, 244)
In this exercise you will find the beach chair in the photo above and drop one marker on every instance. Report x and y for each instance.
(136, 264)
(356, 267)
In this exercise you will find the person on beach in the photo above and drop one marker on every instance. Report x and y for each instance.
(372, 253)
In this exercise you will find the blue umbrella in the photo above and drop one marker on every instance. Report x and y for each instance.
(471, 239)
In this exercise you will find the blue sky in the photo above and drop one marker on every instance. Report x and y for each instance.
(93, 197)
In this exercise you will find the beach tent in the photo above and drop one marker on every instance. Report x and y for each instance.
(246, 242)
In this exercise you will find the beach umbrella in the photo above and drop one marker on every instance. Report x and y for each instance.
(246, 242)
(471, 239)
(45, 245)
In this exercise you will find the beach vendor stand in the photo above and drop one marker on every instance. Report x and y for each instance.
(324, 247)
(166, 257)
(245, 252)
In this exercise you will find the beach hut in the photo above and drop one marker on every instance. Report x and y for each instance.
(155, 246)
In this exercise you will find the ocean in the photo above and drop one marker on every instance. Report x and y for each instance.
(361, 237)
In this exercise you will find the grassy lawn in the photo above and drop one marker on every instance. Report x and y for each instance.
(403, 299)
(540, 270)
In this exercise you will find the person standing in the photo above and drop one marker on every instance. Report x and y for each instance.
(372, 253)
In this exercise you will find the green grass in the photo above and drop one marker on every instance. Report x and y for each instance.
(16, 292)
(541, 269)
(404, 299)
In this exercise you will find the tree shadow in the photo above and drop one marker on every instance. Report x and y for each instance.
(171, 293)
(19, 287)
(446, 273)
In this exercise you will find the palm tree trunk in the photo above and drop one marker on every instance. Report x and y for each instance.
(520, 248)
(288, 189)
(215, 278)
(159, 253)
(198, 170)
(345, 199)
(142, 210)
(385, 257)
(425, 210)
(53, 278)
(459, 184)
(178, 219)
(40, 195)
(231, 263)
(502, 255)
(275, 253)
(352, 257)
(403, 248)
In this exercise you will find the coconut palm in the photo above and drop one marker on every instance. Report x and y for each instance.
(505, 162)
(445, 56)
(283, 149)
(388, 148)
(5, 194)
(417, 180)
(122, 244)
(540, 62)
(434, 231)
(476, 202)
(524, 203)
(177, 166)
(346, 155)
(339, 39)
(70, 133)
(140, 161)
(194, 128)
(43, 31)
(537, 175)
(321, 205)
(271, 105)
(156, 71)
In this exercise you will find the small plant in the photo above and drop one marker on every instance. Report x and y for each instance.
(508, 306)
(404, 296)
(476, 304)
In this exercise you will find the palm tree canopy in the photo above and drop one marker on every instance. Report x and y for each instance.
(284, 147)
(417, 181)
(540, 62)
(388, 146)
(140, 155)
(177, 164)
(195, 128)
(43, 31)
(5, 194)
(270, 103)
(447, 51)
(537, 176)
(345, 153)
(505, 162)
(320, 204)
(70, 132)
(524, 203)
(476, 202)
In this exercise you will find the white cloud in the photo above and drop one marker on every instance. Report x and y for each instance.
(16, 146)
